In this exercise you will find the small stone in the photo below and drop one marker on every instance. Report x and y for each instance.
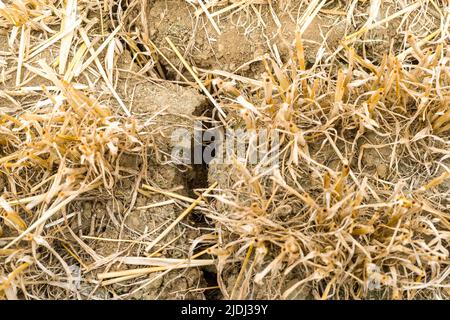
(382, 170)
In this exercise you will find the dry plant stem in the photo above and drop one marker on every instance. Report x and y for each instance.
(244, 266)
(195, 203)
(102, 71)
(119, 274)
(169, 62)
(208, 15)
(129, 274)
(169, 193)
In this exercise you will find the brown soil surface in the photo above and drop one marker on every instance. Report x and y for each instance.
(245, 36)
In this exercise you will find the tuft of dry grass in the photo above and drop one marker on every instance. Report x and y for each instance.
(358, 205)
(356, 208)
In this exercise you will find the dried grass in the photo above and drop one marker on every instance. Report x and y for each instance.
(323, 224)
(64, 142)
(360, 196)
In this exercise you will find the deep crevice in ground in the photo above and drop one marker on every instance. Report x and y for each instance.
(197, 178)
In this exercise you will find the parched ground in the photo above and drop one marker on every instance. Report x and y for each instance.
(93, 206)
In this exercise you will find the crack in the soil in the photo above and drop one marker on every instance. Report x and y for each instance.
(197, 178)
